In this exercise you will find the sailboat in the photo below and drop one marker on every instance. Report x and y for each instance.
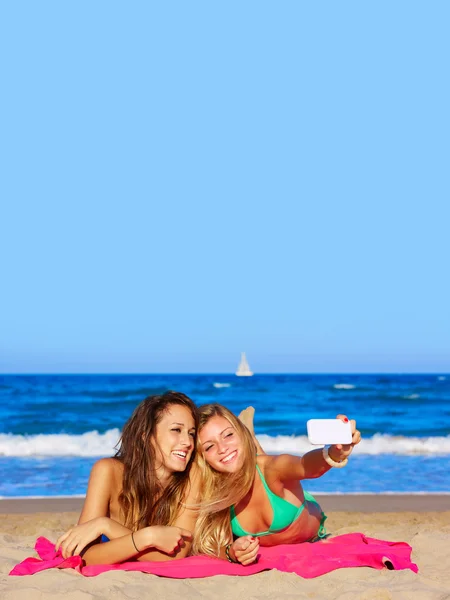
(244, 368)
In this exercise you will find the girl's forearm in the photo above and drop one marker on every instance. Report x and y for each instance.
(122, 544)
(115, 551)
(314, 464)
(125, 545)
(113, 529)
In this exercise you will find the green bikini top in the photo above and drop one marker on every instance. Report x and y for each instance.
(284, 513)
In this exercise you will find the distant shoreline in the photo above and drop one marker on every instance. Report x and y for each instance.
(368, 503)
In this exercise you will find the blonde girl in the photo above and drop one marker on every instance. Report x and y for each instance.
(253, 497)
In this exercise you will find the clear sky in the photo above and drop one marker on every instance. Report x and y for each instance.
(182, 181)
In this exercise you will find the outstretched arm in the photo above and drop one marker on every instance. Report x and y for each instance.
(312, 464)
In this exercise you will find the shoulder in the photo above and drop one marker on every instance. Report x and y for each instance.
(107, 469)
(107, 465)
(105, 482)
(279, 466)
(266, 462)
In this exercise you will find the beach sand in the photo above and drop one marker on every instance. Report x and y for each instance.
(422, 521)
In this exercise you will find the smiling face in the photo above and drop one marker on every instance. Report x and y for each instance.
(174, 439)
(221, 445)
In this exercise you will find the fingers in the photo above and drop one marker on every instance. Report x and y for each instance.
(75, 550)
(173, 548)
(242, 543)
(69, 547)
(68, 543)
(247, 543)
(346, 420)
(249, 555)
(181, 543)
(73, 545)
(61, 539)
(342, 418)
(246, 549)
(248, 559)
(77, 538)
(346, 449)
(251, 549)
(245, 546)
(342, 447)
(356, 437)
(184, 535)
(169, 539)
(187, 535)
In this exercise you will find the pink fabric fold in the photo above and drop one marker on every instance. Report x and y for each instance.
(307, 560)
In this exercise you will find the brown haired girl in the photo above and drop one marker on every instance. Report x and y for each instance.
(140, 498)
(255, 497)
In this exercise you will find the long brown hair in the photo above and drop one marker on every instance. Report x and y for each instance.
(221, 490)
(143, 500)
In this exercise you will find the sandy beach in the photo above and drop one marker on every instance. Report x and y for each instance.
(422, 521)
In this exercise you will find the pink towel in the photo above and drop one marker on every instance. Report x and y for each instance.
(307, 560)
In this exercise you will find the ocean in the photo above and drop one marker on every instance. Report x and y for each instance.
(54, 427)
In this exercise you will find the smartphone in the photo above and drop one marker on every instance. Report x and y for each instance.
(329, 431)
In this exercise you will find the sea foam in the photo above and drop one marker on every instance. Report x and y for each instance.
(91, 443)
(94, 443)
(377, 444)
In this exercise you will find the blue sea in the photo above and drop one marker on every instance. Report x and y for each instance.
(54, 427)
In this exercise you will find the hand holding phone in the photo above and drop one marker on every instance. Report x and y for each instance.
(329, 431)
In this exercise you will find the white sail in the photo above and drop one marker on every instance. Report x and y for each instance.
(244, 367)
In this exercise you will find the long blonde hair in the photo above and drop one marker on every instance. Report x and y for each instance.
(221, 490)
(143, 500)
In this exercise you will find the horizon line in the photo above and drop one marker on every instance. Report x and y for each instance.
(227, 373)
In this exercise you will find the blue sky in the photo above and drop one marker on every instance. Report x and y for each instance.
(183, 181)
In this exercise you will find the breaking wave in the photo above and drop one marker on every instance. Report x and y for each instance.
(377, 444)
(94, 444)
